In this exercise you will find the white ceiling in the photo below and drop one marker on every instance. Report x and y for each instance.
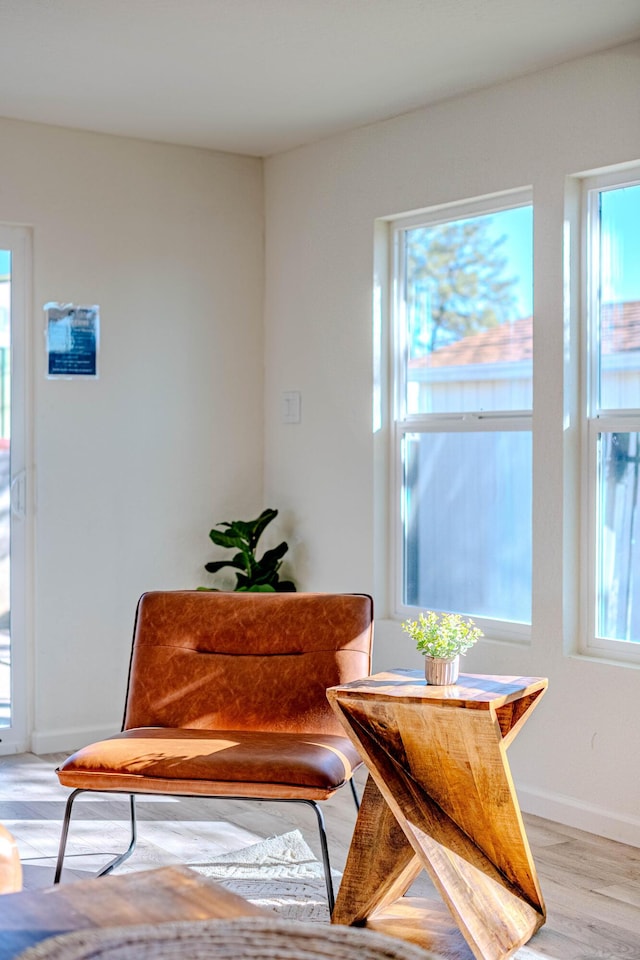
(261, 76)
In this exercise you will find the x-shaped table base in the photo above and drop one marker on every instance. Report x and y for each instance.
(440, 798)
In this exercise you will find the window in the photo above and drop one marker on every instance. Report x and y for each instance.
(612, 401)
(463, 322)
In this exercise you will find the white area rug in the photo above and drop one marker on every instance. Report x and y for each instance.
(280, 873)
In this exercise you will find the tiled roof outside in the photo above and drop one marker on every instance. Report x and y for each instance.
(512, 341)
(621, 327)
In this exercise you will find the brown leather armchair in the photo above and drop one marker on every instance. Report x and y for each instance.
(10, 866)
(227, 698)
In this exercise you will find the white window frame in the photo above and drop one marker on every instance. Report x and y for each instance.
(597, 419)
(403, 423)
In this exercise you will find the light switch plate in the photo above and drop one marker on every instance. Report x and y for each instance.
(291, 404)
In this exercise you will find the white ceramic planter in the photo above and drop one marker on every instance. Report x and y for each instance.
(441, 672)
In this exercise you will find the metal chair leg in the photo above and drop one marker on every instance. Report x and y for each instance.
(325, 854)
(132, 845)
(127, 853)
(65, 833)
(354, 794)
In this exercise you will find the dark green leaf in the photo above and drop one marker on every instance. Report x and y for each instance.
(242, 529)
(271, 557)
(242, 581)
(264, 573)
(259, 575)
(225, 540)
(214, 565)
(261, 522)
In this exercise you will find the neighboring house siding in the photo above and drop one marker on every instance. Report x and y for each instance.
(492, 370)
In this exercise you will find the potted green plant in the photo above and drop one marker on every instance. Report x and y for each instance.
(253, 574)
(442, 639)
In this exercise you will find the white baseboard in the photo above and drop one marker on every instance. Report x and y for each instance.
(582, 816)
(66, 741)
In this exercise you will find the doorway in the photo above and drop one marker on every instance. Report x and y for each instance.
(15, 267)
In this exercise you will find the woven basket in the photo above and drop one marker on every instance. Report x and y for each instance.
(251, 938)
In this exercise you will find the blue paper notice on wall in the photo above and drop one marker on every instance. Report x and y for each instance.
(72, 334)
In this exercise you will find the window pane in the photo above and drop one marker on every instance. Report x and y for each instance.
(467, 523)
(618, 587)
(468, 312)
(619, 298)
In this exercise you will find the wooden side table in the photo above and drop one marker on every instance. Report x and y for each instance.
(440, 798)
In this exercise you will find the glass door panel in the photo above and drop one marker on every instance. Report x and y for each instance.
(14, 266)
(5, 488)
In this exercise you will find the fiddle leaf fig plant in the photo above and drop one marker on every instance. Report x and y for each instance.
(442, 636)
(252, 574)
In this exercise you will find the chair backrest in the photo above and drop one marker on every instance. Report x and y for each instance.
(245, 661)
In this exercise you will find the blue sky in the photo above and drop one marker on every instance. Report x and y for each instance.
(620, 242)
(620, 224)
(517, 226)
(5, 262)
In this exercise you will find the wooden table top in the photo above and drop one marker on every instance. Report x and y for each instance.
(478, 691)
(148, 896)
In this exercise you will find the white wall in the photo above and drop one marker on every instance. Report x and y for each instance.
(134, 469)
(579, 757)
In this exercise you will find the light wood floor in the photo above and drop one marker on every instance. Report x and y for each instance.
(591, 886)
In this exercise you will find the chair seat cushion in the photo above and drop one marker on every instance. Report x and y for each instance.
(214, 763)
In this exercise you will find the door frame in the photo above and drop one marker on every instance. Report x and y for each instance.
(16, 737)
